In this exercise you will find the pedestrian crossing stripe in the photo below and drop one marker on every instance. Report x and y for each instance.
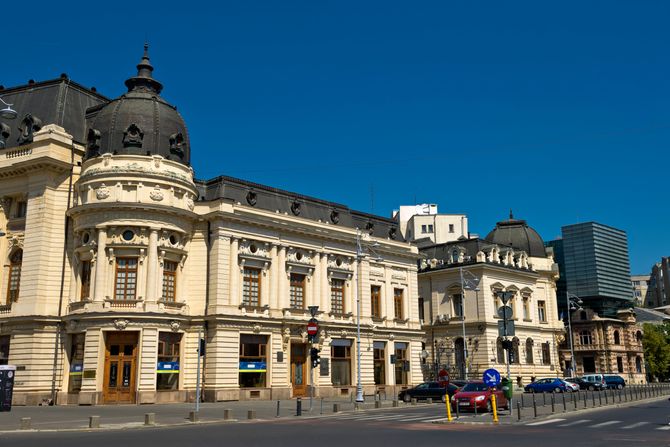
(581, 421)
(667, 427)
(548, 421)
(637, 424)
(603, 424)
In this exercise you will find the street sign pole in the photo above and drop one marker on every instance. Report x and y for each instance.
(312, 330)
(197, 380)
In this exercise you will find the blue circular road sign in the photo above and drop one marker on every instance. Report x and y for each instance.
(491, 377)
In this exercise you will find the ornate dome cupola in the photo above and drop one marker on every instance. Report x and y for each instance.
(139, 122)
(517, 234)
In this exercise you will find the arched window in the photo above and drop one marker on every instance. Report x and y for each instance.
(515, 350)
(617, 338)
(500, 351)
(638, 364)
(14, 282)
(582, 315)
(454, 256)
(585, 337)
(638, 336)
(529, 351)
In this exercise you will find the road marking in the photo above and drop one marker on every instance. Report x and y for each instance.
(581, 421)
(667, 427)
(548, 421)
(380, 418)
(637, 424)
(603, 424)
(436, 420)
(415, 418)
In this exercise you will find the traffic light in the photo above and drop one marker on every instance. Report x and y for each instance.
(511, 355)
(314, 355)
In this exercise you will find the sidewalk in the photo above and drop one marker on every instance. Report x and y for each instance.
(126, 416)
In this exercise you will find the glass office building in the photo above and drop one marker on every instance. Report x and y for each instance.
(594, 265)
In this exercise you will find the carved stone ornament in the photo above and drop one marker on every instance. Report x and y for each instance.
(156, 194)
(71, 326)
(16, 241)
(121, 323)
(102, 192)
(392, 232)
(5, 131)
(295, 207)
(175, 325)
(257, 328)
(93, 141)
(133, 136)
(177, 144)
(335, 216)
(29, 125)
(189, 203)
(252, 198)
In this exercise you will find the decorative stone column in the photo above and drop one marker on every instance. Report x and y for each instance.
(101, 266)
(235, 297)
(152, 267)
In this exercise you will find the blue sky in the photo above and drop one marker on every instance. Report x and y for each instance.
(556, 110)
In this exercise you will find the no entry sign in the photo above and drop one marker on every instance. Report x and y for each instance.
(312, 327)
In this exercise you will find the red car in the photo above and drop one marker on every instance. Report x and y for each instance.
(477, 394)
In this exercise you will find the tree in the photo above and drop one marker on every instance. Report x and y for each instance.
(656, 343)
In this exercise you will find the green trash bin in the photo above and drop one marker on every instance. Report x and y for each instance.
(507, 387)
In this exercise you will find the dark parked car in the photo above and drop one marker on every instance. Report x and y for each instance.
(614, 381)
(585, 385)
(478, 395)
(428, 389)
(550, 385)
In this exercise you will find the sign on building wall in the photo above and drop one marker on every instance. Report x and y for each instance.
(253, 366)
(167, 367)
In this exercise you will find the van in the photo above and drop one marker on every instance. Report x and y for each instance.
(614, 382)
(595, 378)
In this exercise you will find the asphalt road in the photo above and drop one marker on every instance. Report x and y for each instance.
(642, 424)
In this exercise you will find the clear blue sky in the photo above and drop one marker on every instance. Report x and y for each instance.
(558, 110)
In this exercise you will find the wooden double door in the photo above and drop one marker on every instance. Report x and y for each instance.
(299, 369)
(120, 368)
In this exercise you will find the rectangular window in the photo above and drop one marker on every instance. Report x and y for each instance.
(421, 311)
(380, 362)
(297, 291)
(337, 296)
(401, 364)
(76, 363)
(541, 312)
(340, 359)
(546, 354)
(168, 367)
(169, 281)
(457, 300)
(126, 279)
(253, 360)
(376, 301)
(398, 303)
(4, 349)
(430, 228)
(451, 228)
(21, 208)
(251, 291)
(619, 364)
(85, 280)
(424, 229)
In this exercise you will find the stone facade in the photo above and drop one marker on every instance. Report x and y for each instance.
(606, 345)
(116, 264)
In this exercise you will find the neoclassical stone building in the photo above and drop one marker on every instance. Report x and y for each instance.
(458, 285)
(116, 258)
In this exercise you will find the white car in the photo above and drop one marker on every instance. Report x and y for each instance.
(571, 386)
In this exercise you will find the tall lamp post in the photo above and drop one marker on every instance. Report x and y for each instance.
(360, 254)
(470, 284)
(573, 302)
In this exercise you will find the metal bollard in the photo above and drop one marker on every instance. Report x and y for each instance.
(606, 398)
(336, 408)
(518, 410)
(322, 405)
(251, 414)
(458, 411)
(429, 400)
(574, 400)
(620, 395)
(593, 398)
(600, 398)
(94, 422)
(278, 409)
(227, 414)
(378, 404)
(553, 402)
(149, 418)
(585, 400)
(298, 407)
(475, 405)
(193, 416)
(25, 423)
(534, 407)
(565, 408)
(522, 403)
(544, 399)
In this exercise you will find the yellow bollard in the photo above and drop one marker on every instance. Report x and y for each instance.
(448, 407)
(494, 404)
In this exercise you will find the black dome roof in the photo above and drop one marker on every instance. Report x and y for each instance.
(140, 122)
(518, 234)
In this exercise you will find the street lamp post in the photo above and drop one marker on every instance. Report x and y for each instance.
(469, 284)
(570, 300)
(360, 254)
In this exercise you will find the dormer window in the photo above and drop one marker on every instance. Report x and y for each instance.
(21, 208)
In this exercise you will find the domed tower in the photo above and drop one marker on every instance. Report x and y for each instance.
(134, 228)
(139, 122)
(517, 234)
